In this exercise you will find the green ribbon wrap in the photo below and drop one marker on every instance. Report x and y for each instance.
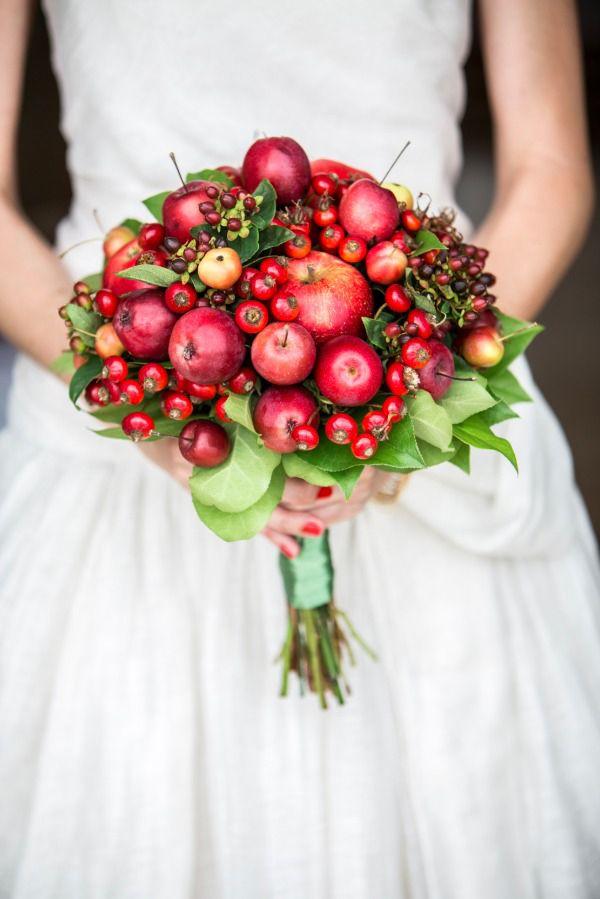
(308, 579)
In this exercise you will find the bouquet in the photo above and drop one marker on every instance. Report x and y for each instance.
(294, 319)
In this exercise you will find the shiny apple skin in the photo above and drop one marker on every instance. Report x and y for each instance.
(348, 371)
(206, 346)
(278, 411)
(369, 211)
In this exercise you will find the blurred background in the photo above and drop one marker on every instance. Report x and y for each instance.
(571, 388)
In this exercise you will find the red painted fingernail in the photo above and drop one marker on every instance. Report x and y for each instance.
(324, 492)
(287, 552)
(312, 529)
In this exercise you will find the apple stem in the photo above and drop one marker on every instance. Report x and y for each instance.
(406, 145)
(78, 244)
(444, 374)
(285, 337)
(174, 161)
(98, 221)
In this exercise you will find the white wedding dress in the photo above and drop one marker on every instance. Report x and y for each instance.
(144, 752)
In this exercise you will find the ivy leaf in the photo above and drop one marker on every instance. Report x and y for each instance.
(94, 282)
(63, 364)
(133, 225)
(505, 386)
(476, 432)
(264, 216)
(374, 328)
(465, 398)
(426, 240)
(209, 175)
(400, 451)
(150, 274)
(431, 422)
(462, 457)
(83, 376)
(513, 345)
(243, 525)
(273, 236)
(241, 480)
(239, 409)
(297, 466)
(246, 247)
(154, 204)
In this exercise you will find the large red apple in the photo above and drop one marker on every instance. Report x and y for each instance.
(277, 413)
(341, 169)
(436, 375)
(180, 209)
(332, 296)
(369, 211)
(206, 346)
(348, 371)
(284, 353)
(144, 324)
(283, 162)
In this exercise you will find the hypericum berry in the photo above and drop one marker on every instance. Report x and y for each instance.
(298, 247)
(306, 437)
(77, 344)
(138, 426)
(244, 382)
(410, 220)
(331, 237)
(249, 203)
(325, 215)
(115, 369)
(394, 378)
(132, 392)
(220, 409)
(394, 408)
(352, 249)
(430, 256)
(341, 428)
(276, 268)
(234, 224)
(228, 200)
(376, 423)
(397, 299)
(200, 391)
(171, 244)
(422, 324)
(151, 236)
(212, 192)
(109, 392)
(106, 303)
(323, 184)
(251, 316)
(364, 446)
(81, 287)
(416, 353)
(263, 287)
(153, 377)
(392, 330)
(177, 405)
(180, 297)
(84, 300)
(284, 307)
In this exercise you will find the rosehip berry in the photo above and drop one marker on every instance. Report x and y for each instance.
(138, 426)
(394, 408)
(244, 382)
(394, 378)
(132, 392)
(352, 249)
(397, 299)
(376, 423)
(331, 237)
(242, 287)
(200, 391)
(410, 220)
(93, 394)
(180, 298)
(323, 184)
(106, 303)
(109, 392)
(341, 428)
(430, 256)
(364, 446)
(263, 287)
(153, 377)
(220, 409)
(298, 247)
(276, 268)
(418, 318)
(151, 236)
(400, 239)
(416, 353)
(115, 369)
(251, 316)
(177, 405)
(284, 307)
(325, 215)
(392, 330)
(306, 437)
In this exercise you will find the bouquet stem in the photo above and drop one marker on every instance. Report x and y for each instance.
(317, 640)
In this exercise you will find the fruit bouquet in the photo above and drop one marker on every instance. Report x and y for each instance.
(294, 319)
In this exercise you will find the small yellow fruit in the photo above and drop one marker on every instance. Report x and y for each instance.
(220, 268)
(402, 194)
(115, 239)
(107, 343)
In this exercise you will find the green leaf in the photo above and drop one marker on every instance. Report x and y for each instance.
(209, 175)
(133, 225)
(94, 282)
(154, 204)
(151, 274)
(476, 432)
(246, 247)
(513, 345)
(83, 376)
(465, 398)
(434, 456)
(298, 466)
(431, 422)
(425, 241)
(333, 457)
(241, 480)
(424, 302)
(82, 320)
(462, 457)
(400, 451)
(374, 328)
(273, 236)
(239, 409)
(264, 216)
(500, 412)
(246, 524)
(347, 479)
(505, 386)
(63, 364)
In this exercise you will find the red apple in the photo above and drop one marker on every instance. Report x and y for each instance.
(206, 346)
(277, 413)
(234, 175)
(284, 353)
(482, 347)
(385, 263)
(332, 296)
(204, 443)
(115, 239)
(369, 211)
(436, 375)
(283, 162)
(143, 324)
(348, 371)
(124, 258)
(180, 209)
(343, 171)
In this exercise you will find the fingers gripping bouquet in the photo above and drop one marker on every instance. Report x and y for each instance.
(294, 319)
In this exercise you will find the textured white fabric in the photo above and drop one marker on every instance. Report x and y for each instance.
(143, 751)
